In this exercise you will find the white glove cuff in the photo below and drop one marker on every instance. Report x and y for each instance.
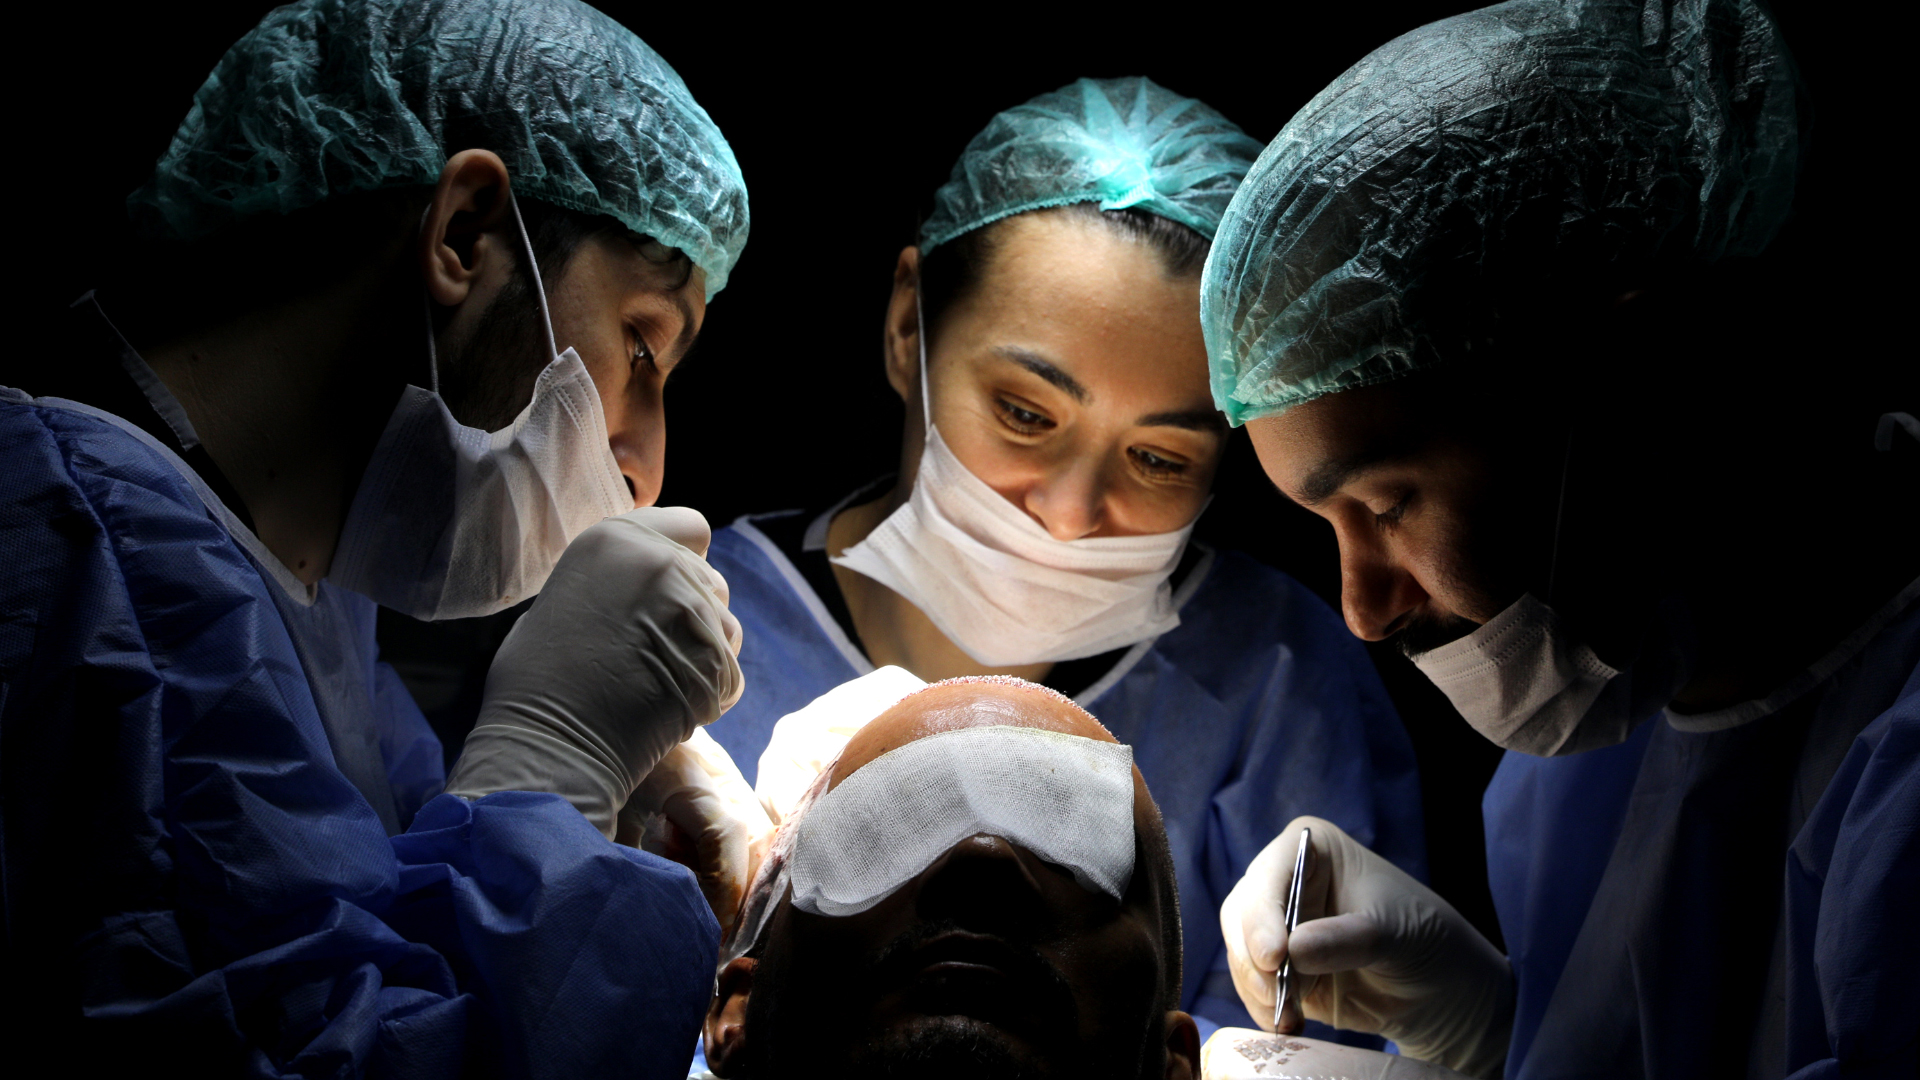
(502, 757)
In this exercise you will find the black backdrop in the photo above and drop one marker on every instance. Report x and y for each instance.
(844, 124)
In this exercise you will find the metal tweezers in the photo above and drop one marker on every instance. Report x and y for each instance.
(1293, 920)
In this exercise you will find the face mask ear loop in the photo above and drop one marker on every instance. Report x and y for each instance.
(426, 308)
(1559, 518)
(533, 266)
(433, 353)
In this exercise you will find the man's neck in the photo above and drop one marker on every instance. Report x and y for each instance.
(289, 401)
(893, 630)
(1770, 610)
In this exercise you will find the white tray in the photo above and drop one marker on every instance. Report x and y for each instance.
(1245, 1054)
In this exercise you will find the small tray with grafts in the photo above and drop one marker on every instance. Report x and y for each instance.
(1245, 1054)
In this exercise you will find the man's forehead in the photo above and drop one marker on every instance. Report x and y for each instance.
(1313, 449)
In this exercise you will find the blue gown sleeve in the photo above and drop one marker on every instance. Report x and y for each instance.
(1853, 888)
(185, 868)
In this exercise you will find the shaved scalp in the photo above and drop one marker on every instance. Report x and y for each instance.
(1014, 682)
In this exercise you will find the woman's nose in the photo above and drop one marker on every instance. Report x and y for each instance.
(1070, 503)
(1377, 593)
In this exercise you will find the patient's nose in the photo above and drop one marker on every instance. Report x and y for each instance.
(981, 883)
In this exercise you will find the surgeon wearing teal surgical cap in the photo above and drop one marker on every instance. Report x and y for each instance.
(1506, 304)
(1060, 443)
(415, 276)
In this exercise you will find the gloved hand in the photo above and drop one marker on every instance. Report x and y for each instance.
(696, 809)
(808, 739)
(1374, 951)
(629, 648)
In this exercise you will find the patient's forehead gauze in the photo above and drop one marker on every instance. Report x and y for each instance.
(1067, 799)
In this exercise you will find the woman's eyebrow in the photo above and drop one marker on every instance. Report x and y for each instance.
(1046, 369)
(1190, 419)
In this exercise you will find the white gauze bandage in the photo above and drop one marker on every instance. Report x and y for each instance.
(1067, 799)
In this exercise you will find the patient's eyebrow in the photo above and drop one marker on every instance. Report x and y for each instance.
(1046, 369)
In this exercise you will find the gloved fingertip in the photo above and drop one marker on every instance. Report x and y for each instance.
(681, 524)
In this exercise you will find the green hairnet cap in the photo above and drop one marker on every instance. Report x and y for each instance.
(1117, 142)
(331, 97)
(1485, 158)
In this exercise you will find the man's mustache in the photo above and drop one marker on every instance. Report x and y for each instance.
(1424, 633)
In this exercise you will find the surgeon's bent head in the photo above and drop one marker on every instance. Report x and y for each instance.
(287, 307)
(629, 305)
(1438, 528)
(1516, 355)
(990, 963)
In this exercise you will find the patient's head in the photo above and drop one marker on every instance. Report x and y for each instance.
(990, 963)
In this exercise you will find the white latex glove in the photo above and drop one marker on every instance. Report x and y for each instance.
(628, 650)
(1374, 950)
(695, 808)
(808, 740)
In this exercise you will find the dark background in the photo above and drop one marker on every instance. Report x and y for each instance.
(844, 124)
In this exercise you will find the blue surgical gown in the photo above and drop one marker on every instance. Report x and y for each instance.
(1257, 708)
(204, 781)
(1702, 903)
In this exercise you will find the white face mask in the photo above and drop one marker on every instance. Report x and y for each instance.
(452, 522)
(997, 584)
(1523, 682)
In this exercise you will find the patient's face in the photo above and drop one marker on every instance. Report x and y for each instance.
(991, 963)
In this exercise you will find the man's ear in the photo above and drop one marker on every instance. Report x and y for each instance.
(1183, 1047)
(902, 337)
(725, 1031)
(465, 228)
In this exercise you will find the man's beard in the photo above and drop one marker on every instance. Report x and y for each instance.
(941, 1049)
(946, 1048)
(798, 1032)
(488, 378)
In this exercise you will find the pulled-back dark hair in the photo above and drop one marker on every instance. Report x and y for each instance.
(951, 271)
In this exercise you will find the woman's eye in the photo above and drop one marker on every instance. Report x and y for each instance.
(1156, 464)
(1023, 420)
(641, 353)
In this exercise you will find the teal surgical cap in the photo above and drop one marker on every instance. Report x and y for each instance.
(1116, 142)
(329, 97)
(1484, 157)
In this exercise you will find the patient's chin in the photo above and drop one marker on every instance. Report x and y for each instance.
(942, 1047)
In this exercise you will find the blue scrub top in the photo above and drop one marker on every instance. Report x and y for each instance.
(1708, 902)
(1257, 708)
(205, 772)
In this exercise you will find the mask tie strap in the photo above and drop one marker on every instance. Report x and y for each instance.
(920, 335)
(533, 266)
(433, 351)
